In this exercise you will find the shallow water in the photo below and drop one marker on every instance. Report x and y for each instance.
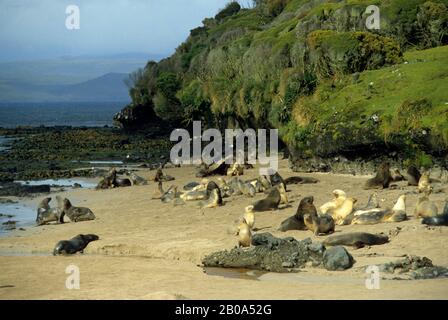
(85, 183)
(5, 143)
(23, 214)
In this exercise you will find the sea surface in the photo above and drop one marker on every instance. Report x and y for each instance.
(75, 114)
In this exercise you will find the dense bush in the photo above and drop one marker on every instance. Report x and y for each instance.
(230, 9)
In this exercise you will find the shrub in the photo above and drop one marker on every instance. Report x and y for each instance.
(230, 9)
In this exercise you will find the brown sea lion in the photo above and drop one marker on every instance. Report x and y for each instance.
(271, 202)
(108, 180)
(276, 179)
(161, 176)
(137, 180)
(296, 222)
(356, 239)
(322, 224)
(396, 175)
(382, 178)
(77, 214)
(74, 245)
(412, 175)
(300, 180)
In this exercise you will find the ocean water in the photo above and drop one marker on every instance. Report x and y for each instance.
(75, 114)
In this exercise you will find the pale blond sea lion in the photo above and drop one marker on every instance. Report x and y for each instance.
(339, 198)
(244, 234)
(425, 208)
(398, 212)
(340, 214)
(213, 200)
(249, 217)
(424, 184)
(235, 170)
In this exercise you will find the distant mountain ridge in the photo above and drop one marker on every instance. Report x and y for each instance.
(66, 79)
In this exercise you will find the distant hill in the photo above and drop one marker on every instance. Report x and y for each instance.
(70, 78)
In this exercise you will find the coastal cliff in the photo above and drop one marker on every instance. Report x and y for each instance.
(313, 70)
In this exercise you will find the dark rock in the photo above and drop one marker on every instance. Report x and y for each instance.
(338, 259)
(18, 190)
(278, 255)
(413, 268)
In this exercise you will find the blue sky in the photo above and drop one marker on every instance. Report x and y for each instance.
(35, 29)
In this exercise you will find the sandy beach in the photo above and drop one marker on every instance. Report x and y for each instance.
(151, 250)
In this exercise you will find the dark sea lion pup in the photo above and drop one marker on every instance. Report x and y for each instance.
(413, 175)
(382, 178)
(74, 245)
(77, 214)
(296, 222)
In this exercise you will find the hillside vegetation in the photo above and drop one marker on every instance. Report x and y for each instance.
(314, 71)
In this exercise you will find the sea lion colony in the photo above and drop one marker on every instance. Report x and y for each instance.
(343, 209)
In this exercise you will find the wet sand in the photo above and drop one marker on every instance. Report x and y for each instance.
(151, 250)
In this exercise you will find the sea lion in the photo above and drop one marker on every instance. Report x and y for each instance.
(322, 224)
(370, 216)
(258, 187)
(159, 192)
(161, 176)
(194, 195)
(235, 170)
(441, 220)
(396, 175)
(277, 179)
(424, 184)
(77, 214)
(249, 217)
(283, 196)
(398, 212)
(214, 200)
(190, 186)
(244, 234)
(340, 213)
(137, 180)
(382, 178)
(74, 245)
(170, 194)
(413, 175)
(296, 222)
(246, 188)
(266, 184)
(108, 180)
(300, 180)
(45, 214)
(425, 208)
(271, 202)
(356, 239)
(122, 182)
(339, 198)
